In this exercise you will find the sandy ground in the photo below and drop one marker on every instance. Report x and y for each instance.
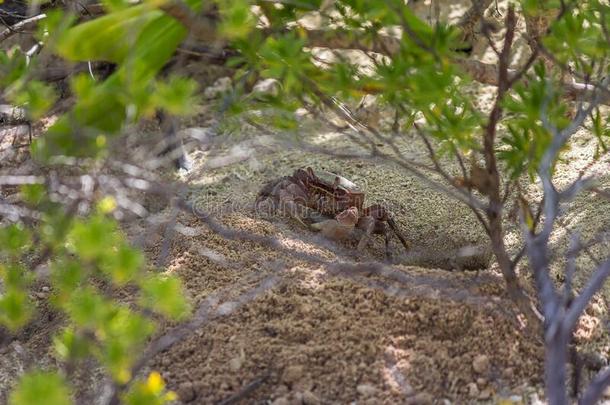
(410, 332)
(416, 335)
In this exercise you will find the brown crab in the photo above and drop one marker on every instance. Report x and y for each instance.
(338, 200)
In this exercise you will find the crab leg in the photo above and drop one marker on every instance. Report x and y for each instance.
(368, 224)
(396, 231)
(388, 253)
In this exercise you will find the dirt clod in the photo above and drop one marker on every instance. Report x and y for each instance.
(480, 364)
(473, 390)
(485, 394)
(185, 392)
(423, 398)
(366, 390)
(292, 374)
(309, 398)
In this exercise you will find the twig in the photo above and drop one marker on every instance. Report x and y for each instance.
(21, 25)
(246, 391)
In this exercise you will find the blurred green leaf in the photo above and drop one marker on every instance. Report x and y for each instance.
(15, 276)
(122, 264)
(237, 19)
(33, 194)
(177, 95)
(86, 308)
(15, 309)
(94, 237)
(66, 277)
(39, 387)
(69, 345)
(164, 295)
(14, 238)
(122, 333)
(37, 97)
(107, 38)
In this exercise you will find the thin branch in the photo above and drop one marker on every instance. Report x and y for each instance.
(596, 282)
(596, 388)
(21, 26)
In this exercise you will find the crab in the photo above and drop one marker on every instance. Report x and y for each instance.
(336, 202)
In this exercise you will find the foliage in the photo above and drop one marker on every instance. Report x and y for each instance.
(37, 385)
(88, 255)
(421, 77)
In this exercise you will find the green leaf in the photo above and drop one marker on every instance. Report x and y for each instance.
(237, 19)
(107, 38)
(69, 345)
(15, 276)
(93, 238)
(123, 264)
(164, 295)
(12, 69)
(14, 238)
(87, 308)
(37, 96)
(54, 26)
(177, 95)
(66, 276)
(15, 309)
(122, 333)
(39, 387)
(33, 194)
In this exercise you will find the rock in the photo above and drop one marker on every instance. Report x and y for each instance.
(219, 87)
(186, 392)
(309, 398)
(423, 398)
(297, 399)
(200, 134)
(485, 394)
(480, 364)
(597, 309)
(281, 401)
(238, 361)
(45, 289)
(292, 374)
(535, 399)
(366, 390)
(281, 390)
(270, 87)
(607, 392)
(235, 363)
(481, 382)
(473, 390)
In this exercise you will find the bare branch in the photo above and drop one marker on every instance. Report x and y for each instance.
(596, 282)
(21, 26)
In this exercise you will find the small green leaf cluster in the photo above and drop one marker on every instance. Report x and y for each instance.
(527, 137)
(580, 37)
(88, 263)
(89, 258)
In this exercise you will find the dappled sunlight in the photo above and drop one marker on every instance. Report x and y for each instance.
(325, 137)
(395, 370)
